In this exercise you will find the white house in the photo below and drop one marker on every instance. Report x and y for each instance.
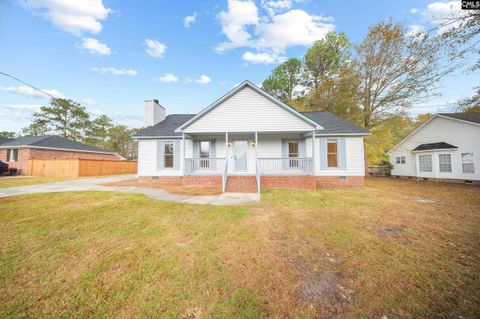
(447, 146)
(248, 140)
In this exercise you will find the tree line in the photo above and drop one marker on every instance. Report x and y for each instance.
(375, 83)
(69, 119)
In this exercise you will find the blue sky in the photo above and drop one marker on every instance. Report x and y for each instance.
(112, 55)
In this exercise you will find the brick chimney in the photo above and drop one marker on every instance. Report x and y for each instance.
(154, 112)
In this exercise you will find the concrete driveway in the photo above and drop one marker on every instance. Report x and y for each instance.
(92, 184)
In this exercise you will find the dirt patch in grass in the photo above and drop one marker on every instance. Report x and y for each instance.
(172, 188)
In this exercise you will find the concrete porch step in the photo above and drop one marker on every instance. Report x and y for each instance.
(241, 184)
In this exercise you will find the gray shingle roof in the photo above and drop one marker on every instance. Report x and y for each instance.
(166, 127)
(434, 146)
(470, 117)
(331, 123)
(4, 140)
(52, 141)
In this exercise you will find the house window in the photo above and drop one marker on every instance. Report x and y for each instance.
(400, 160)
(12, 155)
(332, 155)
(204, 154)
(445, 163)
(168, 155)
(425, 162)
(293, 153)
(467, 163)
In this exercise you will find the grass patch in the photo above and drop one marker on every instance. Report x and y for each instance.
(14, 181)
(172, 188)
(333, 253)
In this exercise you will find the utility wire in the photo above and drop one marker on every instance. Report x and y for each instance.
(39, 90)
(27, 84)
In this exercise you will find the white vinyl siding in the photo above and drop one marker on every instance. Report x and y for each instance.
(463, 135)
(248, 111)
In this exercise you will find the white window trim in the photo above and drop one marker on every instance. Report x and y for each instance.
(332, 140)
(420, 163)
(173, 155)
(470, 162)
(440, 163)
(10, 152)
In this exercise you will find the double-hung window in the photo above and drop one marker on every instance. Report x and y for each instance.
(468, 167)
(204, 154)
(293, 153)
(332, 153)
(425, 163)
(168, 155)
(445, 163)
(400, 160)
(12, 155)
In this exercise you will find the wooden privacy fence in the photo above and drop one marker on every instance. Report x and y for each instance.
(80, 167)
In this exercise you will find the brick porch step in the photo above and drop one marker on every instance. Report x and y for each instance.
(241, 184)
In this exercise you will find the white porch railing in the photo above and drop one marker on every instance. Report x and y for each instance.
(285, 166)
(205, 166)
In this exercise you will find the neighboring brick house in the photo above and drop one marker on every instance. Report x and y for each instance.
(248, 140)
(16, 152)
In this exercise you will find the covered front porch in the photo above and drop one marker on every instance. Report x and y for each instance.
(253, 154)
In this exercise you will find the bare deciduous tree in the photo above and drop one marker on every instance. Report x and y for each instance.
(395, 70)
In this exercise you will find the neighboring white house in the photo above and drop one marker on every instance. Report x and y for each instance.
(247, 139)
(447, 146)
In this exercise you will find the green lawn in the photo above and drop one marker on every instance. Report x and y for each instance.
(397, 248)
(7, 181)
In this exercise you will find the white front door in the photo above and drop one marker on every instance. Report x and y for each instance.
(240, 155)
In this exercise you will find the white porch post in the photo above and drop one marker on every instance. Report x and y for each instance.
(256, 146)
(313, 153)
(183, 153)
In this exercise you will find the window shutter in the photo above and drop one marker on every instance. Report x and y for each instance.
(176, 155)
(196, 149)
(323, 153)
(342, 154)
(284, 153)
(160, 153)
(213, 154)
(302, 149)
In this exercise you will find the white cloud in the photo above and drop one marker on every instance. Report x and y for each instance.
(115, 71)
(269, 35)
(274, 7)
(73, 16)
(189, 20)
(240, 14)
(416, 30)
(262, 57)
(95, 47)
(30, 92)
(413, 10)
(89, 101)
(203, 79)
(439, 12)
(154, 48)
(433, 107)
(168, 78)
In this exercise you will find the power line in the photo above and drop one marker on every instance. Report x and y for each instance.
(27, 84)
(50, 95)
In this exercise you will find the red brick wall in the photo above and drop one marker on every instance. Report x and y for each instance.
(196, 181)
(336, 181)
(242, 184)
(292, 182)
(24, 154)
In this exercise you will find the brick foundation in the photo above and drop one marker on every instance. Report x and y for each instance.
(291, 182)
(25, 154)
(338, 181)
(241, 184)
(248, 184)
